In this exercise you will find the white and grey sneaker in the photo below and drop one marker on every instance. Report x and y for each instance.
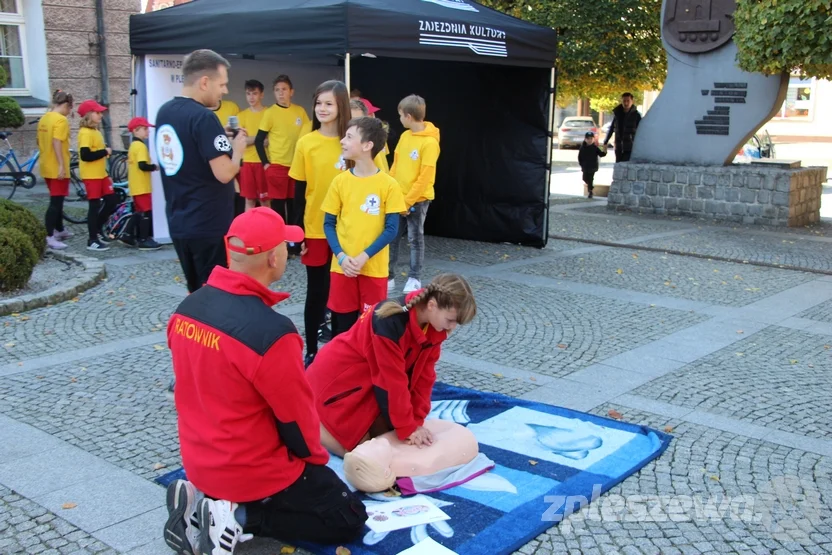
(54, 243)
(103, 239)
(412, 285)
(97, 246)
(219, 531)
(182, 527)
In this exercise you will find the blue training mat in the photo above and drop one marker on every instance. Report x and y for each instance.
(540, 451)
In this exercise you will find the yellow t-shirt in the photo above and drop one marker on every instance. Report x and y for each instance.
(227, 109)
(250, 121)
(285, 127)
(53, 125)
(137, 179)
(93, 140)
(381, 160)
(415, 151)
(360, 204)
(317, 161)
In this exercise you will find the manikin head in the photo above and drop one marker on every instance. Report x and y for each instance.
(368, 467)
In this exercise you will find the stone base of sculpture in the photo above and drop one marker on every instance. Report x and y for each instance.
(741, 193)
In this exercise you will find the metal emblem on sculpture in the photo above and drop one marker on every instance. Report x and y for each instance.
(696, 26)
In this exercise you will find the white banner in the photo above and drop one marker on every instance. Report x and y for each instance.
(163, 82)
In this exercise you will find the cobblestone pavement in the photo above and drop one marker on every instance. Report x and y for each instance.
(733, 359)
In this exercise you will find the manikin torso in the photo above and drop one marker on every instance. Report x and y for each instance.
(452, 445)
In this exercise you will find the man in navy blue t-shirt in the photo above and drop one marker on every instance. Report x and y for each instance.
(199, 163)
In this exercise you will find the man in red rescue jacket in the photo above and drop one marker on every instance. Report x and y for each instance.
(248, 430)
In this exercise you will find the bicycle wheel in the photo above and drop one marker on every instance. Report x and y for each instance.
(74, 215)
(9, 180)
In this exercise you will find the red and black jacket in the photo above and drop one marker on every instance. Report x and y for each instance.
(382, 366)
(247, 424)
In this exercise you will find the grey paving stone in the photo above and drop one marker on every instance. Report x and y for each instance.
(778, 378)
(574, 224)
(132, 534)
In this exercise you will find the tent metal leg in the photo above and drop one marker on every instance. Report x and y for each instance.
(550, 141)
(347, 71)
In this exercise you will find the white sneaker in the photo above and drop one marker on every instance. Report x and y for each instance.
(391, 286)
(53, 243)
(182, 528)
(65, 234)
(412, 285)
(219, 531)
(97, 246)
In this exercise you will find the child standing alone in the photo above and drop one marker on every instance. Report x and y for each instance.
(139, 169)
(414, 167)
(362, 211)
(588, 159)
(93, 152)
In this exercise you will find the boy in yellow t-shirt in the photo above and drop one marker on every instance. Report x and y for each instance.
(138, 180)
(362, 211)
(226, 109)
(282, 124)
(360, 108)
(414, 167)
(93, 153)
(252, 175)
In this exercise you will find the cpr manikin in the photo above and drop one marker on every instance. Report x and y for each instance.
(374, 465)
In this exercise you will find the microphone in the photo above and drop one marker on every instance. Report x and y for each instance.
(234, 125)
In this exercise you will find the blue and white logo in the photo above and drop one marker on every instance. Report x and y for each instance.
(454, 5)
(169, 150)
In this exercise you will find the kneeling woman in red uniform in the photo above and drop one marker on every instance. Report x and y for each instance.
(379, 375)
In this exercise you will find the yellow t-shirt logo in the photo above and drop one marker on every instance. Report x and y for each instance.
(372, 205)
(414, 155)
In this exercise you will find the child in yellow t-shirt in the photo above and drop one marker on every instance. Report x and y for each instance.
(282, 124)
(252, 175)
(317, 161)
(53, 142)
(139, 169)
(93, 153)
(414, 167)
(359, 108)
(362, 216)
(226, 109)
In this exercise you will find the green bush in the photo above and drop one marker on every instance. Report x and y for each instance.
(11, 115)
(14, 215)
(17, 259)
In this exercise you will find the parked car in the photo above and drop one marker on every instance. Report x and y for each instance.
(573, 130)
(758, 146)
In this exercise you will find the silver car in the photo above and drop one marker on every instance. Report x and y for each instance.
(573, 130)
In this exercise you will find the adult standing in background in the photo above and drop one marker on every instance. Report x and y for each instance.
(624, 124)
(199, 163)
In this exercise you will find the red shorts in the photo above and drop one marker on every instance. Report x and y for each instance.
(317, 253)
(356, 294)
(98, 188)
(253, 181)
(57, 187)
(280, 185)
(142, 203)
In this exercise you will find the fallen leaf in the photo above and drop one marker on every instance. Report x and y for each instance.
(533, 463)
(811, 365)
(74, 380)
(652, 306)
(738, 277)
(740, 354)
(341, 550)
(177, 279)
(75, 300)
(287, 550)
(716, 271)
(714, 477)
(452, 257)
(562, 345)
(24, 318)
(752, 289)
(619, 271)
(15, 314)
(159, 347)
(827, 347)
(69, 505)
(159, 466)
(498, 375)
(793, 361)
(612, 413)
(668, 429)
(740, 331)
(10, 344)
(111, 292)
(119, 303)
(39, 377)
(635, 255)
(667, 282)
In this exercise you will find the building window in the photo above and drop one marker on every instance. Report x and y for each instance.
(12, 48)
(799, 99)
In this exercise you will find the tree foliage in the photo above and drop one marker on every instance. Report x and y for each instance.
(11, 115)
(608, 103)
(775, 36)
(605, 47)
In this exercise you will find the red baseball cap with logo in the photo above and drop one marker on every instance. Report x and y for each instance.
(138, 122)
(370, 108)
(261, 230)
(88, 106)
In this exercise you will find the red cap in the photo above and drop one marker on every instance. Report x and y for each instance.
(138, 122)
(370, 108)
(261, 230)
(88, 106)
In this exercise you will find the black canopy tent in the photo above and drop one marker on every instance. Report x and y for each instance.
(488, 80)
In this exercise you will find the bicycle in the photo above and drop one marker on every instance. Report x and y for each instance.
(13, 174)
(116, 168)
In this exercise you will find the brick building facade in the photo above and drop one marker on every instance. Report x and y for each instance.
(53, 44)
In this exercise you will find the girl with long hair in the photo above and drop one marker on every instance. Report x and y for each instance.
(379, 375)
(317, 161)
(53, 143)
(93, 152)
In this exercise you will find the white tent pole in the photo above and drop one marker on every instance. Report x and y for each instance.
(347, 71)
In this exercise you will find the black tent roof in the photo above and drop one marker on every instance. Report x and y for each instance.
(452, 30)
